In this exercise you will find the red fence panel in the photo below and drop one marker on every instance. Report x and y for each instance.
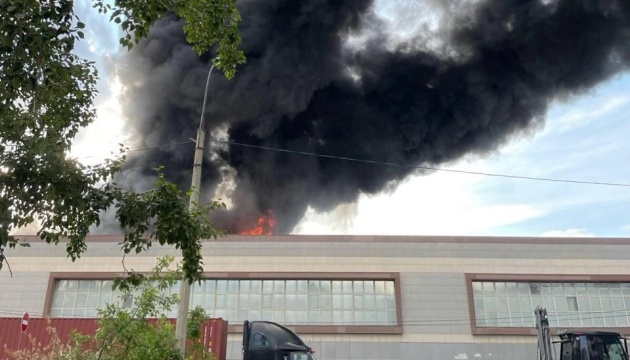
(12, 336)
(214, 333)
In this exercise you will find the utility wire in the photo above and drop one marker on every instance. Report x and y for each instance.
(162, 146)
(420, 166)
(142, 149)
(436, 322)
(375, 162)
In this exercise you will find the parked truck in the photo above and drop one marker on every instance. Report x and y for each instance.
(265, 340)
(579, 344)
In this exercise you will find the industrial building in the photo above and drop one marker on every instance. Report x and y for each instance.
(361, 297)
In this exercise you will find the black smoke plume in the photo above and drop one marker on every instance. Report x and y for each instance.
(328, 77)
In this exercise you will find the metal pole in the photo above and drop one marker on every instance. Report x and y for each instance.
(545, 351)
(184, 288)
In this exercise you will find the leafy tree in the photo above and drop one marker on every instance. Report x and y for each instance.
(143, 330)
(162, 215)
(48, 96)
(206, 23)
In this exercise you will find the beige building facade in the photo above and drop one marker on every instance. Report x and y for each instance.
(361, 297)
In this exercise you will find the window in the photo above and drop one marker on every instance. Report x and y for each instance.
(613, 350)
(82, 297)
(261, 340)
(300, 302)
(572, 303)
(569, 304)
(534, 288)
(292, 302)
(300, 355)
(127, 301)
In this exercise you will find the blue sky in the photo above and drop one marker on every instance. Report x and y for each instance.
(584, 138)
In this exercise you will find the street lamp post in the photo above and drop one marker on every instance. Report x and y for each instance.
(184, 288)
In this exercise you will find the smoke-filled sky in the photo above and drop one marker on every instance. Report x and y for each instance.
(530, 88)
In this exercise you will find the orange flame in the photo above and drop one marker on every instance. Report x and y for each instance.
(264, 225)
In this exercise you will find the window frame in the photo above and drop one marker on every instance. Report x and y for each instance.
(513, 330)
(396, 328)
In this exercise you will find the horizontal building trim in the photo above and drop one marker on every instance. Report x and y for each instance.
(68, 275)
(409, 338)
(550, 277)
(532, 331)
(332, 329)
(337, 265)
(385, 239)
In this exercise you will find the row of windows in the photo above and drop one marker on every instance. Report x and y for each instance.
(313, 302)
(569, 304)
(370, 302)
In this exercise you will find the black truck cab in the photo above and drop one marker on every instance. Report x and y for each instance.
(592, 345)
(265, 340)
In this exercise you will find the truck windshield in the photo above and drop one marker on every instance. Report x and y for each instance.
(614, 351)
(301, 355)
(607, 348)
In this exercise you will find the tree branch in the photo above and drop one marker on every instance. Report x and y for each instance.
(4, 259)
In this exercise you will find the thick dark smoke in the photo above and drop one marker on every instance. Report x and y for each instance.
(306, 88)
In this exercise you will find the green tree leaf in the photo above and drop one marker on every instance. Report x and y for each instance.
(209, 25)
(48, 96)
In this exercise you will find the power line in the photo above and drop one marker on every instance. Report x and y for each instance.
(161, 146)
(150, 148)
(375, 162)
(600, 315)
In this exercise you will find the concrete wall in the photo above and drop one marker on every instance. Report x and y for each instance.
(25, 291)
(434, 302)
(374, 349)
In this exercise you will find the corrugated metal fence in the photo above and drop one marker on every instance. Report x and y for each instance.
(214, 333)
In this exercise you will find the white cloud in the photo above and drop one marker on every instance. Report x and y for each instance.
(625, 227)
(581, 115)
(102, 137)
(567, 233)
(441, 203)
